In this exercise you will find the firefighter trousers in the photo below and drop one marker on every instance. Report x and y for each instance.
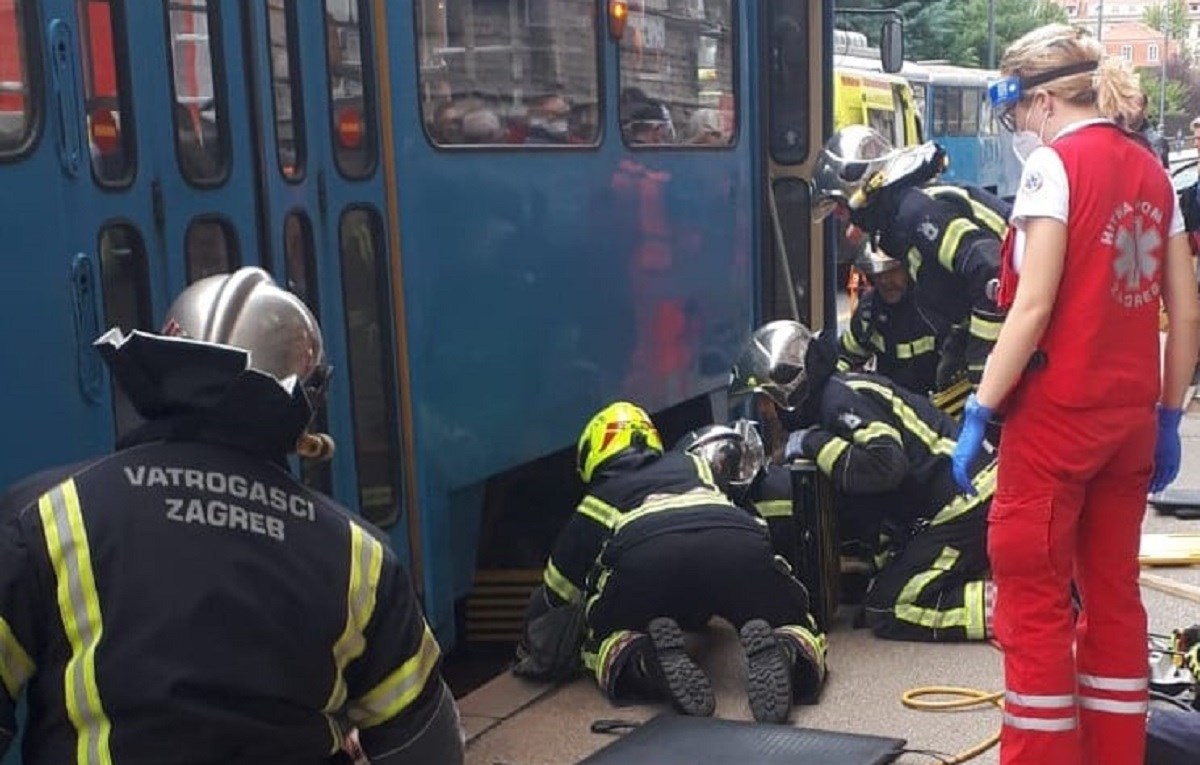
(1069, 503)
(935, 587)
(690, 575)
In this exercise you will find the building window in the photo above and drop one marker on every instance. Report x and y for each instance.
(509, 72)
(1127, 52)
(1152, 52)
(677, 74)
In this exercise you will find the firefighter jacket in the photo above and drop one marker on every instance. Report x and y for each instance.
(904, 339)
(182, 600)
(950, 238)
(887, 451)
(641, 494)
(770, 495)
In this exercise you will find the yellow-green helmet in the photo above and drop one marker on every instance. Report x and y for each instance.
(615, 428)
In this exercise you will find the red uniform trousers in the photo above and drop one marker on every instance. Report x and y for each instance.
(1069, 504)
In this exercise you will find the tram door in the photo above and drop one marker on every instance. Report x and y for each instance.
(323, 212)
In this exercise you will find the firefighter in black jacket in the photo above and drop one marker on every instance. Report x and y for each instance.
(185, 599)
(891, 326)
(948, 235)
(737, 458)
(888, 453)
(653, 547)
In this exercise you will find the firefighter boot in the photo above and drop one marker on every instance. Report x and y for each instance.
(675, 672)
(768, 672)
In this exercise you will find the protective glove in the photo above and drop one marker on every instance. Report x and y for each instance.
(970, 441)
(794, 449)
(1166, 452)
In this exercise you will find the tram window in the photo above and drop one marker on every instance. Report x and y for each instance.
(301, 266)
(677, 75)
(509, 72)
(970, 112)
(370, 352)
(285, 84)
(210, 247)
(351, 86)
(106, 69)
(17, 99)
(888, 124)
(790, 65)
(200, 132)
(125, 278)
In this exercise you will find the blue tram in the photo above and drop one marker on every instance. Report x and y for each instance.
(505, 213)
(954, 108)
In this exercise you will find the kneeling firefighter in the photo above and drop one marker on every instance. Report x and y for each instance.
(890, 326)
(655, 547)
(887, 451)
(948, 235)
(209, 607)
(737, 458)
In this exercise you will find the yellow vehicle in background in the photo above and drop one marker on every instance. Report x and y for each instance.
(864, 95)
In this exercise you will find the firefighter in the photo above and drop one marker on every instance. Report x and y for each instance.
(1077, 372)
(886, 451)
(737, 458)
(653, 548)
(892, 327)
(185, 599)
(947, 235)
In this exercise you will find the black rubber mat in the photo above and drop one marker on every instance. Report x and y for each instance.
(1182, 503)
(679, 740)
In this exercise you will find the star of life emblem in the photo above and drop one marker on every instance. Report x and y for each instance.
(1137, 242)
(1033, 182)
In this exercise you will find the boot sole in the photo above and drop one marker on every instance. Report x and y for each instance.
(768, 676)
(687, 683)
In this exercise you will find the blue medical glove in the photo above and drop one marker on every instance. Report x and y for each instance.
(970, 441)
(1166, 452)
(794, 449)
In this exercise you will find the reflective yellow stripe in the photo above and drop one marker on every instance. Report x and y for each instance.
(984, 214)
(877, 430)
(952, 239)
(843, 365)
(817, 643)
(366, 563)
(694, 498)
(705, 471)
(15, 665)
(828, 456)
(397, 691)
(952, 399)
(973, 599)
(878, 342)
(79, 606)
(851, 346)
(918, 347)
(600, 512)
(774, 508)
(984, 329)
(912, 422)
(932, 618)
(559, 584)
(985, 486)
(600, 662)
(914, 262)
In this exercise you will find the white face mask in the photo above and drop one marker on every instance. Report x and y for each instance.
(1025, 141)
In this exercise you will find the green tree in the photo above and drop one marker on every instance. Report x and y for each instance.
(1170, 16)
(956, 30)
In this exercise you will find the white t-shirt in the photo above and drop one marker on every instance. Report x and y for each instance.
(1045, 193)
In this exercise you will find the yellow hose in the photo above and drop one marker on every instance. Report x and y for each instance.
(967, 698)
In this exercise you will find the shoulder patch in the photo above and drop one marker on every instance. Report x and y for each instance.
(929, 230)
(851, 420)
(1033, 182)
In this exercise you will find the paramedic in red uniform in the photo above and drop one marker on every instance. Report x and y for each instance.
(1088, 426)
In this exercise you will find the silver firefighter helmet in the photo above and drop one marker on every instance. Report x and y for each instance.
(247, 310)
(720, 447)
(773, 363)
(754, 453)
(849, 159)
(873, 262)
